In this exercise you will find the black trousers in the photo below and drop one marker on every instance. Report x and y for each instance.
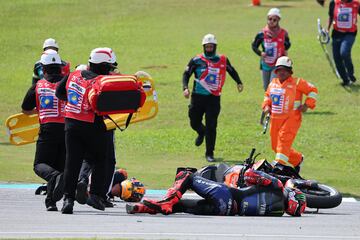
(84, 139)
(50, 151)
(110, 162)
(208, 105)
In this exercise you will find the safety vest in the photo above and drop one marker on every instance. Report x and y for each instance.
(213, 77)
(274, 47)
(285, 98)
(77, 106)
(345, 16)
(50, 108)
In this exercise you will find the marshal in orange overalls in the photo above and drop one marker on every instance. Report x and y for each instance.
(284, 101)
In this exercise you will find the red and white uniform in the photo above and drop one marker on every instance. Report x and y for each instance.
(274, 46)
(50, 108)
(213, 78)
(345, 16)
(283, 100)
(77, 106)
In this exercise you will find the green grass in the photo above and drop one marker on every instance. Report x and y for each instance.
(160, 36)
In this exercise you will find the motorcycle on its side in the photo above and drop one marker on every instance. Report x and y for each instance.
(317, 195)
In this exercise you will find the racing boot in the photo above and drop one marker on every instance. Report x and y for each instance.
(173, 195)
(164, 206)
(139, 208)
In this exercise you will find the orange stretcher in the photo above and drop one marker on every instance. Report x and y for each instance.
(23, 129)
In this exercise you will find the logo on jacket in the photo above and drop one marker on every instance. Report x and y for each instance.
(275, 99)
(344, 14)
(46, 102)
(270, 52)
(73, 97)
(210, 79)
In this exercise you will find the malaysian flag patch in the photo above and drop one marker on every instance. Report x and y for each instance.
(46, 102)
(277, 100)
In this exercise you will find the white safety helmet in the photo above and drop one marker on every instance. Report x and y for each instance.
(102, 55)
(50, 42)
(142, 74)
(283, 61)
(274, 12)
(209, 38)
(50, 56)
(82, 67)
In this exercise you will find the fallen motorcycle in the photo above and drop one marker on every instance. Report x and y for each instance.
(317, 195)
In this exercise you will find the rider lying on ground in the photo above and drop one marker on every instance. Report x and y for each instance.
(264, 196)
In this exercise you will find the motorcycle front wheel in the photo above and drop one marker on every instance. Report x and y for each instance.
(322, 196)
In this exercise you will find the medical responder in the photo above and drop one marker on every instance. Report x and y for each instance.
(110, 160)
(50, 146)
(85, 131)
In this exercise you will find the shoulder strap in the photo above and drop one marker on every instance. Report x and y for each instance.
(126, 124)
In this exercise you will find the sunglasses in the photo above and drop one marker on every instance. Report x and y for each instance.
(273, 19)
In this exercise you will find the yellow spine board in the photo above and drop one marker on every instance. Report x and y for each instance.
(23, 129)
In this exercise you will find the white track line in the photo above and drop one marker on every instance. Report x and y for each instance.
(118, 234)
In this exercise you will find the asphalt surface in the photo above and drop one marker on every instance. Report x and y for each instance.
(23, 215)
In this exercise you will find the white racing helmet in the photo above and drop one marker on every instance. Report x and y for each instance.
(274, 12)
(50, 57)
(209, 38)
(50, 42)
(102, 55)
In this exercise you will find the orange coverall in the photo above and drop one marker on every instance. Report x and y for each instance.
(283, 101)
